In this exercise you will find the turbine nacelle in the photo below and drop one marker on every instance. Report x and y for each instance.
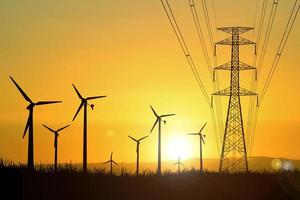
(84, 101)
(159, 118)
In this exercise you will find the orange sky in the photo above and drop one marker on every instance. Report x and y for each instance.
(126, 49)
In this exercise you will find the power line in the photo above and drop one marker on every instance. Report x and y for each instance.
(254, 74)
(267, 35)
(200, 35)
(261, 21)
(255, 17)
(215, 82)
(207, 20)
(282, 44)
(184, 47)
(251, 114)
(215, 15)
(205, 52)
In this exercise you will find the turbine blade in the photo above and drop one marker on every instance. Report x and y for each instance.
(202, 139)
(115, 163)
(96, 97)
(106, 162)
(154, 111)
(168, 115)
(48, 128)
(111, 155)
(79, 108)
(132, 138)
(27, 125)
(203, 127)
(63, 128)
(46, 102)
(21, 91)
(143, 138)
(154, 125)
(192, 133)
(79, 95)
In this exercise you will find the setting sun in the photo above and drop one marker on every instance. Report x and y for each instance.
(178, 146)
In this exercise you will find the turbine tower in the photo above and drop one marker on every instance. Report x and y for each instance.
(234, 153)
(137, 151)
(111, 161)
(29, 124)
(158, 120)
(178, 163)
(84, 103)
(56, 134)
(201, 140)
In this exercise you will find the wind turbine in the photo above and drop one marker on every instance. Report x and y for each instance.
(29, 124)
(201, 140)
(178, 163)
(158, 120)
(137, 151)
(84, 103)
(56, 134)
(111, 161)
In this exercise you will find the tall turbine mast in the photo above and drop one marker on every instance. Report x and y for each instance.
(84, 103)
(201, 140)
(138, 142)
(111, 162)
(234, 153)
(178, 163)
(56, 134)
(158, 121)
(29, 124)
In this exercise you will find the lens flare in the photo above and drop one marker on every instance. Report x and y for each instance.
(276, 164)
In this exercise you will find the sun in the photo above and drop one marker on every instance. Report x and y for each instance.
(178, 146)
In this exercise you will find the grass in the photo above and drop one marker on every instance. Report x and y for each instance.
(70, 183)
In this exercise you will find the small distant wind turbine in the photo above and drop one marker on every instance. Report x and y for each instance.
(56, 134)
(201, 139)
(111, 161)
(137, 151)
(29, 124)
(84, 103)
(178, 163)
(158, 120)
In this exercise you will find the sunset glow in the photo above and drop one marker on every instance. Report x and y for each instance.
(127, 51)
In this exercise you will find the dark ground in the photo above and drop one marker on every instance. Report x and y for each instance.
(18, 183)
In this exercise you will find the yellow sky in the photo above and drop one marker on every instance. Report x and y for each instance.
(126, 49)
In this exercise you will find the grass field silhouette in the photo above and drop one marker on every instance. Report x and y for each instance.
(70, 182)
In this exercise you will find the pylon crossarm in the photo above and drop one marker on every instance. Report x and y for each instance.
(228, 66)
(231, 29)
(240, 41)
(228, 92)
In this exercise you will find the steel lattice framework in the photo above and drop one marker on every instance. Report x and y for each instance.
(234, 153)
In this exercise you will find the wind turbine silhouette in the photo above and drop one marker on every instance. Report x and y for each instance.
(111, 161)
(201, 140)
(178, 163)
(137, 151)
(84, 103)
(158, 120)
(56, 134)
(29, 124)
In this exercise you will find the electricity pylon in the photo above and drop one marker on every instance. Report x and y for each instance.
(234, 153)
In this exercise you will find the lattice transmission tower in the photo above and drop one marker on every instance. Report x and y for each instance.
(234, 153)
